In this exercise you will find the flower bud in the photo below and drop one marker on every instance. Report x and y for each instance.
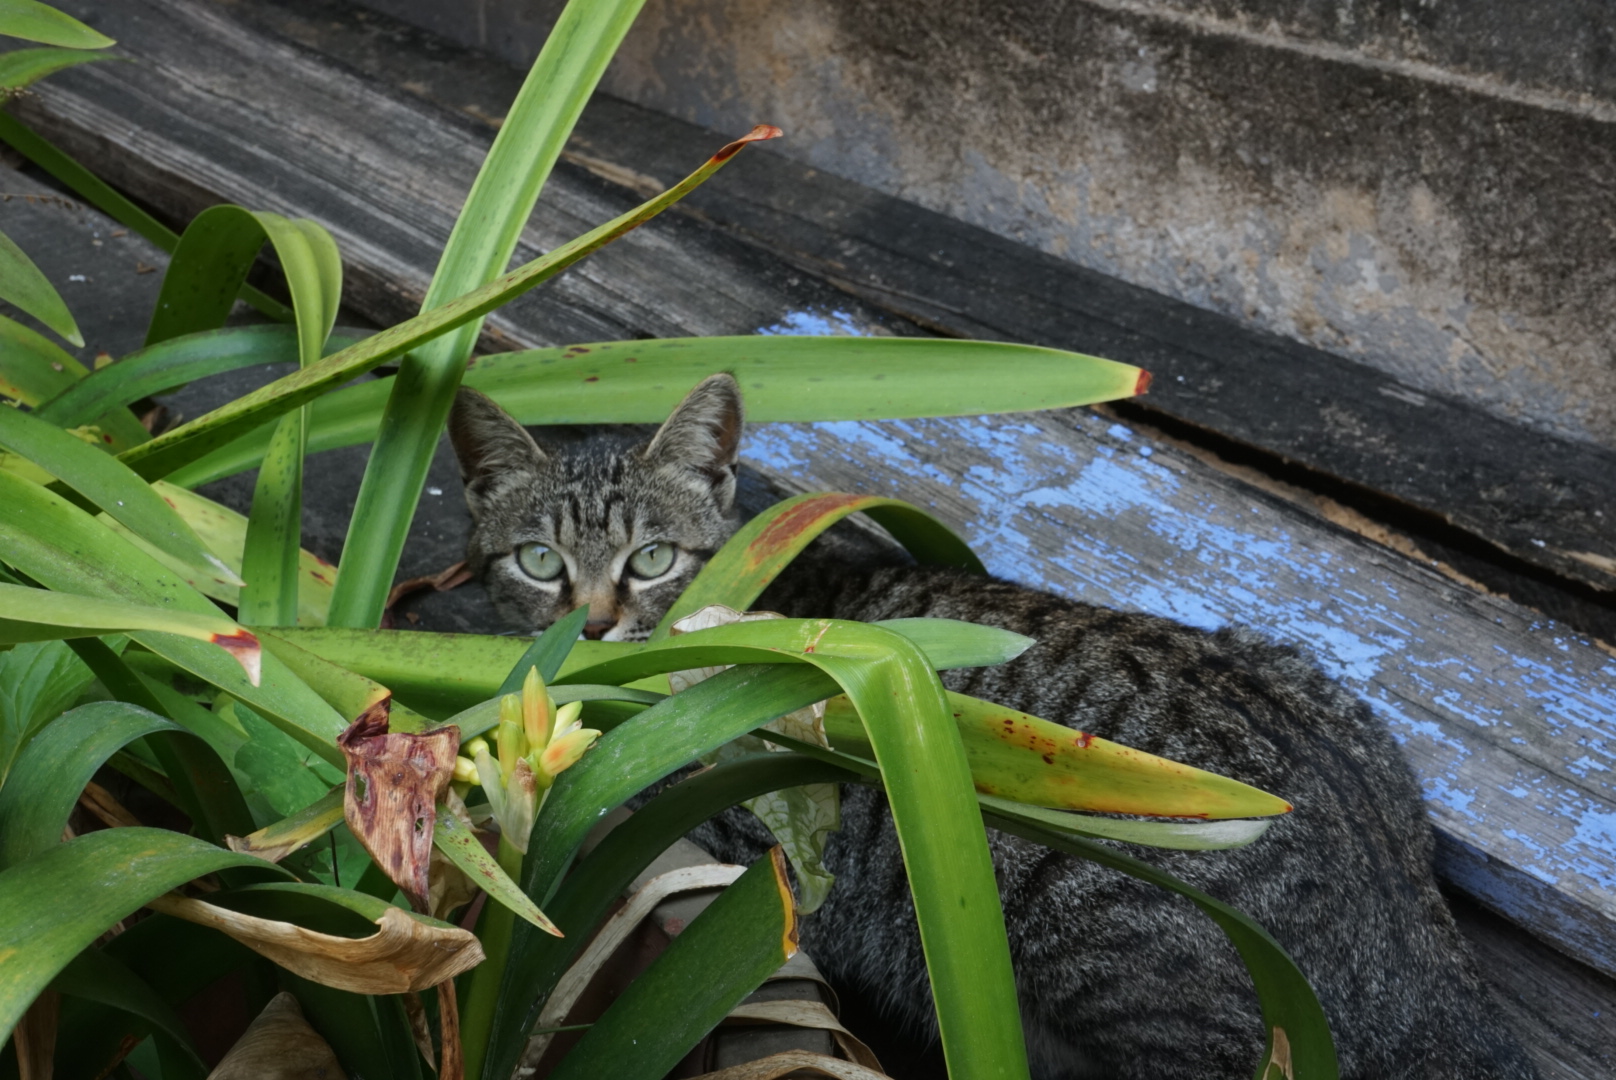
(535, 709)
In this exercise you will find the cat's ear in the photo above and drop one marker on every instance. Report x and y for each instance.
(703, 436)
(490, 445)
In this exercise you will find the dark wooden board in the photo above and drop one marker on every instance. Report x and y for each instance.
(1483, 489)
(1505, 716)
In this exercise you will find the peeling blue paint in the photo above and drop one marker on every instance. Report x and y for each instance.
(824, 323)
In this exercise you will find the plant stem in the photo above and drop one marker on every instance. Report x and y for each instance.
(483, 982)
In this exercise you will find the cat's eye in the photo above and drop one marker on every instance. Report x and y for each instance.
(652, 560)
(539, 561)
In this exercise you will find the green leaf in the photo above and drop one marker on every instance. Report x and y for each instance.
(548, 651)
(1022, 757)
(442, 673)
(1175, 835)
(189, 441)
(1288, 1002)
(109, 875)
(33, 21)
(109, 484)
(575, 54)
(23, 67)
(784, 378)
(168, 365)
(764, 546)
(46, 615)
(37, 682)
(463, 849)
(22, 284)
(62, 547)
(204, 788)
(269, 555)
(727, 951)
(32, 367)
(55, 766)
(277, 770)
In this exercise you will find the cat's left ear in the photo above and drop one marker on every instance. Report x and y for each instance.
(703, 436)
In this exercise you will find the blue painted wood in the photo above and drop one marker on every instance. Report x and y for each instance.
(1507, 718)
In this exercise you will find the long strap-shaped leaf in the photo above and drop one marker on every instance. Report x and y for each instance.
(764, 546)
(109, 484)
(48, 615)
(65, 549)
(109, 875)
(23, 284)
(34, 21)
(785, 379)
(552, 97)
(189, 441)
(27, 66)
(172, 363)
(727, 951)
(928, 785)
(33, 369)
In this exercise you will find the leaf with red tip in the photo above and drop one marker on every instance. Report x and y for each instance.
(46, 615)
(394, 783)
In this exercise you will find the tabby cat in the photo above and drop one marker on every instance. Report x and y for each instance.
(1117, 978)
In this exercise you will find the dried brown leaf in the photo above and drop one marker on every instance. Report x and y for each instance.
(279, 1045)
(403, 954)
(394, 783)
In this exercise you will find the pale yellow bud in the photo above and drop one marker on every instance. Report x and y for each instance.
(565, 751)
(535, 709)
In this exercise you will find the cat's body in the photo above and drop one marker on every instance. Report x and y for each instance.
(1117, 978)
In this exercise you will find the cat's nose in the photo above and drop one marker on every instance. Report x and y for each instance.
(595, 630)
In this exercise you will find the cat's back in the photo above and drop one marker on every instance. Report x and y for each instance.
(1120, 978)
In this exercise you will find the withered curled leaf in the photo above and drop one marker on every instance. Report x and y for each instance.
(394, 783)
(405, 953)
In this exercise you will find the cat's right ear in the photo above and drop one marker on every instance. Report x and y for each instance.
(491, 446)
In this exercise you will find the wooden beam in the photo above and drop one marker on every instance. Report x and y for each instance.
(1506, 716)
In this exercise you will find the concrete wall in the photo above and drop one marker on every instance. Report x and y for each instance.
(1428, 186)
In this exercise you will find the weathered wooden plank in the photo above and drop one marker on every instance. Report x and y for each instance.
(212, 111)
(1541, 499)
(1506, 717)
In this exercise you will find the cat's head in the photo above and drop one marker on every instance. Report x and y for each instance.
(620, 527)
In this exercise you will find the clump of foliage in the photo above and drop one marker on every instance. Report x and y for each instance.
(209, 659)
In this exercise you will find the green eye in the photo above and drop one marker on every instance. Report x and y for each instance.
(540, 562)
(652, 560)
